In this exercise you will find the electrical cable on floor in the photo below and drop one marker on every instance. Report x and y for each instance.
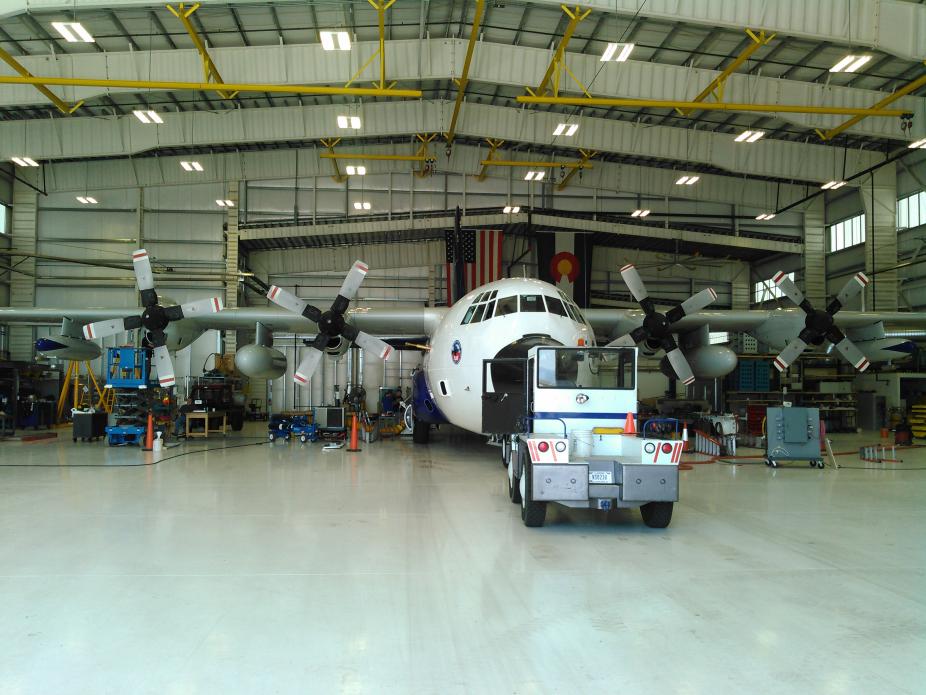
(135, 465)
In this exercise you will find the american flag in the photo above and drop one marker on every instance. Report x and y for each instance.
(482, 259)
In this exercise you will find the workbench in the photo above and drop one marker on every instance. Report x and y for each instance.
(208, 419)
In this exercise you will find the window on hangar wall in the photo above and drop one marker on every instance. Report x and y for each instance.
(850, 232)
(911, 211)
(766, 290)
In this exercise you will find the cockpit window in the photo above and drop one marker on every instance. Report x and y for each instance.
(490, 310)
(506, 305)
(480, 312)
(532, 303)
(555, 306)
(492, 295)
(469, 315)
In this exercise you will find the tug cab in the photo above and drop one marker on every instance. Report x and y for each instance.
(560, 416)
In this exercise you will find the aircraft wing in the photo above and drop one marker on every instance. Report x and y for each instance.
(374, 320)
(616, 322)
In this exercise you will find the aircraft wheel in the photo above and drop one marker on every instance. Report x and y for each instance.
(657, 514)
(514, 484)
(506, 450)
(272, 437)
(533, 514)
(421, 433)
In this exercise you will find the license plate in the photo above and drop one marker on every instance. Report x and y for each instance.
(604, 477)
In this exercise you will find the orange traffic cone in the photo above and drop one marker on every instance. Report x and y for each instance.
(354, 436)
(149, 433)
(629, 426)
(685, 436)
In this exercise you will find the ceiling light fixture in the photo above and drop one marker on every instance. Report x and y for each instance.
(511, 209)
(352, 122)
(749, 136)
(191, 166)
(225, 203)
(73, 32)
(362, 205)
(687, 180)
(766, 216)
(335, 40)
(86, 200)
(534, 175)
(639, 213)
(355, 170)
(611, 49)
(919, 144)
(567, 129)
(850, 63)
(148, 116)
(832, 185)
(25, 162)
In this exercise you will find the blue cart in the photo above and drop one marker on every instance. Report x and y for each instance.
(279, 427)
(305, 430)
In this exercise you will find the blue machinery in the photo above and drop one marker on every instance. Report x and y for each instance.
(128, 374)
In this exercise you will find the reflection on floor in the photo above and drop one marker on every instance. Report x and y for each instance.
(406, 569)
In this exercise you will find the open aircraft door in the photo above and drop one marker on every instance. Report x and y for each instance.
(504, 396)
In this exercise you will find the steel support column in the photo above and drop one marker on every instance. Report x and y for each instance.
(879, 196)
(22, 283)
(493, 146)
(231, 262)
(338, 176)
(814, 270)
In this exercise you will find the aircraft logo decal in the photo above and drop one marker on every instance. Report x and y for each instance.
(581, 398)
(456, 352)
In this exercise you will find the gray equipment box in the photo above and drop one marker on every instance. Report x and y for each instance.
(793, 435)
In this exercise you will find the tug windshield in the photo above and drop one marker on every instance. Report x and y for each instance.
(586, 368)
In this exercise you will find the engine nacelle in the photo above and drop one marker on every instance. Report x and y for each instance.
(260, 362)
(67, 348)
(337, 347)
(707, 362)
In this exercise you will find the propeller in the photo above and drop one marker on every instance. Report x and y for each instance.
(657, 327)
(820, 325)
(154, 319)
(331, 323)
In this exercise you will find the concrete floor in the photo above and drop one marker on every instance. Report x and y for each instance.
(282, 569)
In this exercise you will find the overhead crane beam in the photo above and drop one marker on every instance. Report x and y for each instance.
(374, 157)
(575, 16)
(535, 165)
(716, 85)
(210, 86)
(338, 176)
(493, 146)
(464, 75)
(713, 106)
(903, 91)
(183, 13)
(62, 105)
(582, 164)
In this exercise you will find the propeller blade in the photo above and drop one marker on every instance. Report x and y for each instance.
(199, 307)
(848, 349)
(374, 345)
(856, 284)
(143, 274)
(680, 365)
(103, 329)
(165, 366)
(692, 305)
(352, 282)
(634, 282)
(292, 303)
(625, 340)
(791, 352)
(787, 286)
(310, 361)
